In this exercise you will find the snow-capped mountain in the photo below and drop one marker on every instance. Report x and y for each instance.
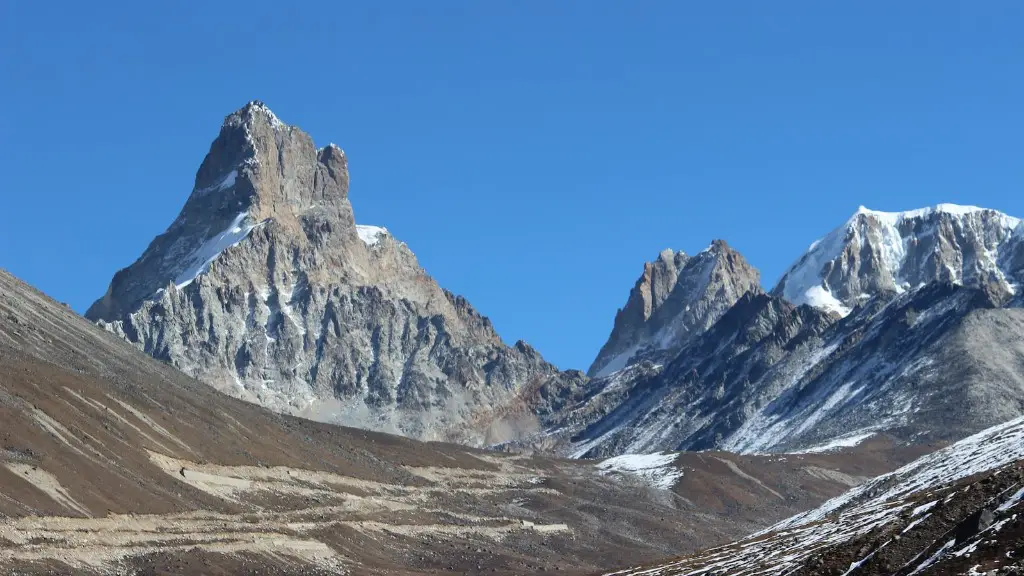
(265, 287)
(911, 356)
(896, 251)
(957, 511)
(675, 299)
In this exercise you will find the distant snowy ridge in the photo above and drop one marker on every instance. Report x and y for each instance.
(897, 251)
(952, 209)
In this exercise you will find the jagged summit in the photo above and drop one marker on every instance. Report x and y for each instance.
(256, 173)
(676, 297)
(254, 109)
(265, 287)
(876, 252)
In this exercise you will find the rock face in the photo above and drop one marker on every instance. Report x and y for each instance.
(676, 298)
(897, 251)
(266, 288)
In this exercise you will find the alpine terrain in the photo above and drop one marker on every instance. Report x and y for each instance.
(715, 409)
(903, 325)
(266, 288)
(114, 463)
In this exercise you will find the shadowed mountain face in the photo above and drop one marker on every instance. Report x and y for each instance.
(266, 288)
(933, 365)
(112, 462)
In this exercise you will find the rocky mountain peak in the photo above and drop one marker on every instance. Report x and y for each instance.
(675, 298)
(875, 252)
(265, 287)
(258, 172)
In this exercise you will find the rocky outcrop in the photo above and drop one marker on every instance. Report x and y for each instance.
(266, 288)
(676, 298)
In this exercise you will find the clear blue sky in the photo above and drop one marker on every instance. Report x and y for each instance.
(532, 154)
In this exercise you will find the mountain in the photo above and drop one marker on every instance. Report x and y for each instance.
(897, 251)
(676, 298)
(114, 463)
(930, 362)
(957, 511)
(266, 288)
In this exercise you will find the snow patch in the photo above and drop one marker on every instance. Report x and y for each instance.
(275, 122)
(923, 508)
(845, 442)
(820, 297)
(1012, 501)
(370, 235)
(225, 183)
(618, 362)
(200, 260)
(654, 469)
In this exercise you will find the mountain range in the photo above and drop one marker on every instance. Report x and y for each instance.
(900, 324)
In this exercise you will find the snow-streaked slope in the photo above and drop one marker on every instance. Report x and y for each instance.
(200, 260)
(983, 451)
(895, 497)
(894, 251)
(934, 364)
